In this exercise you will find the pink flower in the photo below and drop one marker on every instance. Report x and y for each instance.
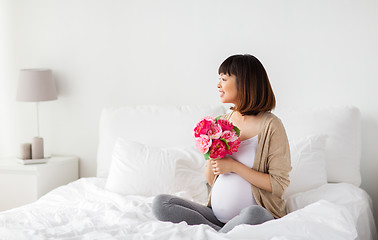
(215, 138)
(215, 131)
(209, 118)
(203, 126)
(234, 146)
(218, 149)
(230, 136)
(203, 143)
(225, 124)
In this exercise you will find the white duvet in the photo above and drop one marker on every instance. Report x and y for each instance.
(85, 210)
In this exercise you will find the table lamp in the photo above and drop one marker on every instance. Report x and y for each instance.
(36, 85)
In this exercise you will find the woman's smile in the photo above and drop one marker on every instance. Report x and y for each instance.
(227, 84)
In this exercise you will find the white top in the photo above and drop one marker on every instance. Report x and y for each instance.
(231, 193)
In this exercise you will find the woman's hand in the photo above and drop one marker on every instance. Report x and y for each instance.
(228, 164)
(223, 165)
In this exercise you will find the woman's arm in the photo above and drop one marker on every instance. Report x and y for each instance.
(258, 179)
(227, 164)
(209, 173)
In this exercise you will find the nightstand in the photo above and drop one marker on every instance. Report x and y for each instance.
(22, 184)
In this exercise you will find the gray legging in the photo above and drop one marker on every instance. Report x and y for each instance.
(170, 208)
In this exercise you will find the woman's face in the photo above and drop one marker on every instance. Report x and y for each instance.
(227, 88)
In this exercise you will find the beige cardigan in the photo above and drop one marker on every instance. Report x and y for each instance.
(272, 157)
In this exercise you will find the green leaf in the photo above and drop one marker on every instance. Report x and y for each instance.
(217, 118)
(207, 155)
(225, 141)
(237, 130)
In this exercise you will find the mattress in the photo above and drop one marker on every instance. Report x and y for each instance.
(84, 209)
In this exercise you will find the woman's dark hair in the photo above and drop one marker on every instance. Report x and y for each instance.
(254, 91)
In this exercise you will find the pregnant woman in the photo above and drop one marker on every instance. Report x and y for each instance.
(247, 187)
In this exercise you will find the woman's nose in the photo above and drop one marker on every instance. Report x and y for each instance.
(219, 85)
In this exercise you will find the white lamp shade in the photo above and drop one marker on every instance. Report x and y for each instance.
(36, 85)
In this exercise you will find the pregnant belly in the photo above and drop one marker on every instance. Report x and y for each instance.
(230, 194)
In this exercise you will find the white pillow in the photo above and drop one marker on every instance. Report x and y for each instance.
(342, 125)
(139, 169)
(161, 126)
(308, 163)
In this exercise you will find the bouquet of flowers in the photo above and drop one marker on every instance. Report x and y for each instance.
(216, 137)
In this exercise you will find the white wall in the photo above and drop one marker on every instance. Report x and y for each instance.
(119, 52)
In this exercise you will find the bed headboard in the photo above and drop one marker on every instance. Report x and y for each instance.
(342, 125)
(169, 126)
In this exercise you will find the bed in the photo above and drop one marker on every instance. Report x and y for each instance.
(324, 199)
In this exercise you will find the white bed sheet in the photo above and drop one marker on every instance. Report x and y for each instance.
(85, 210)
(356, 200)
